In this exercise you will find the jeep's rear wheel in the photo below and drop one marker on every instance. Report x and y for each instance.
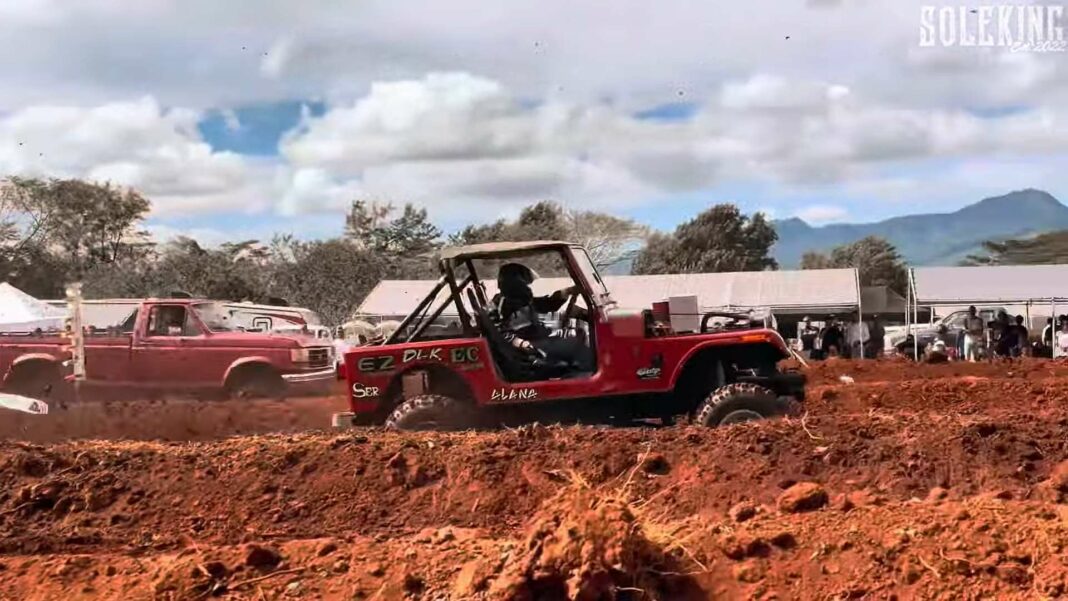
(430, 412)
(738, 403)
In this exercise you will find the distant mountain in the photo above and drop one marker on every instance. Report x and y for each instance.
(933, 239)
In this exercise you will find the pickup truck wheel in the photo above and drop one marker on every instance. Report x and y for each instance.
(430, 412)
(37, 381)
(738, 403)
(256, 383)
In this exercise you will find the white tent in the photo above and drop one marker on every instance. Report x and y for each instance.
(20, 312)
(1028, 285)
(1015, 284)
(801, 292)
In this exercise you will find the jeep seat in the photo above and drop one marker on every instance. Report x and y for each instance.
(515, 365)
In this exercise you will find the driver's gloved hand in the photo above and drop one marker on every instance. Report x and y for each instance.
(527, 347)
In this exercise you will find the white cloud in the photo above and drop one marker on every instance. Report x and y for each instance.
(98, 50)
(468, 141)
(138, 144)
(818, 214)
(475, 108)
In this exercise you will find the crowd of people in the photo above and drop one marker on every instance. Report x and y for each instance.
(1004, 336)
(853, 338)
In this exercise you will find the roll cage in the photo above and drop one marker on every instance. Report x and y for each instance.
(472, 288)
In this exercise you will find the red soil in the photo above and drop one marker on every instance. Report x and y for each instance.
(916, 482)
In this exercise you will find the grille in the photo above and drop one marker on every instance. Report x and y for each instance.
(319, 357)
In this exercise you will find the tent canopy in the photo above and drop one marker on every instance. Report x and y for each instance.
(1018, 284)
(20, 312)
(880, 300)
(807, 291)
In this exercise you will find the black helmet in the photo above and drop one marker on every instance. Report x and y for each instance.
(513, 274)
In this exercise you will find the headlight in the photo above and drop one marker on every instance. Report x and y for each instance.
(300, 355)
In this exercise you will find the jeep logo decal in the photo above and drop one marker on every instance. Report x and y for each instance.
(375, 364)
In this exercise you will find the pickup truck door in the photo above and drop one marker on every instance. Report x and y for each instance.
(165, 355)
(109, 356)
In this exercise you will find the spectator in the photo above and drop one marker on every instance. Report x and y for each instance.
(1047, 333)
(907, 347)
(878, 337)
(1001, 338)
(807, 334)
(973, 334)
(1013, 338)
(831, 338)
(937, 350)
(1023, 337)
(857, 337)
(1062, 339)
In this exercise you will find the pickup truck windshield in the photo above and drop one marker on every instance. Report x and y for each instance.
(215, 316)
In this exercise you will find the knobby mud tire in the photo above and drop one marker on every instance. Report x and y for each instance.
(740, 402)
(431, 412)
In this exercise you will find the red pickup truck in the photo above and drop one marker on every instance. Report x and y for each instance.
(173, 345)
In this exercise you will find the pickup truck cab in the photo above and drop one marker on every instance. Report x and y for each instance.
(173, 345)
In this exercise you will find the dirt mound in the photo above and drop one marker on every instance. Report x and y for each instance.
(588, 545)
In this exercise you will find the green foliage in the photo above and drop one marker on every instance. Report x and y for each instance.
(719, 239)
(1045, 249)
(876, 260)
(331, 276)
(58, 230)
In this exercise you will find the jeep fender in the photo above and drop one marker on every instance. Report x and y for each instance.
(764, 339)
(245, 361)
(440, 380)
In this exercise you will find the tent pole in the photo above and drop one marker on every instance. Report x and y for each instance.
(1053, 328)
(908, 307)
(860, 315)
(915, 311)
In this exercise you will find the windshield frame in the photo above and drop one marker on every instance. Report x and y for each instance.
(586, 268)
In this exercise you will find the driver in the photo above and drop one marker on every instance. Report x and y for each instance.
(518, 310)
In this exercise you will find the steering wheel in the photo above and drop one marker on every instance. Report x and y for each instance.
(565, 317)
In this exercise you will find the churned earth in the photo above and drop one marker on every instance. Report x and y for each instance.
(904, 481)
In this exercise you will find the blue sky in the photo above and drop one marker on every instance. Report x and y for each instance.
(242, 119)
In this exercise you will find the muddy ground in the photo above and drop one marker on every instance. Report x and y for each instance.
(911, 482)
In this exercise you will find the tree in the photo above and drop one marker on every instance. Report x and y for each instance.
(406, 240)
(719, 239)
(23, 218)
(1045, 249)
(815, 260)
(607, 238)
(373, 227)
(876, 260)
(332, 277)
(54, 231)
(364, 219)
(87, 223)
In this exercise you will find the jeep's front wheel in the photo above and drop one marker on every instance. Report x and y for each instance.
(738, 403)
(430, 412)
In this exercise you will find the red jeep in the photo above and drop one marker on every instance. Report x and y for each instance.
(427, 376)
(171, 345)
